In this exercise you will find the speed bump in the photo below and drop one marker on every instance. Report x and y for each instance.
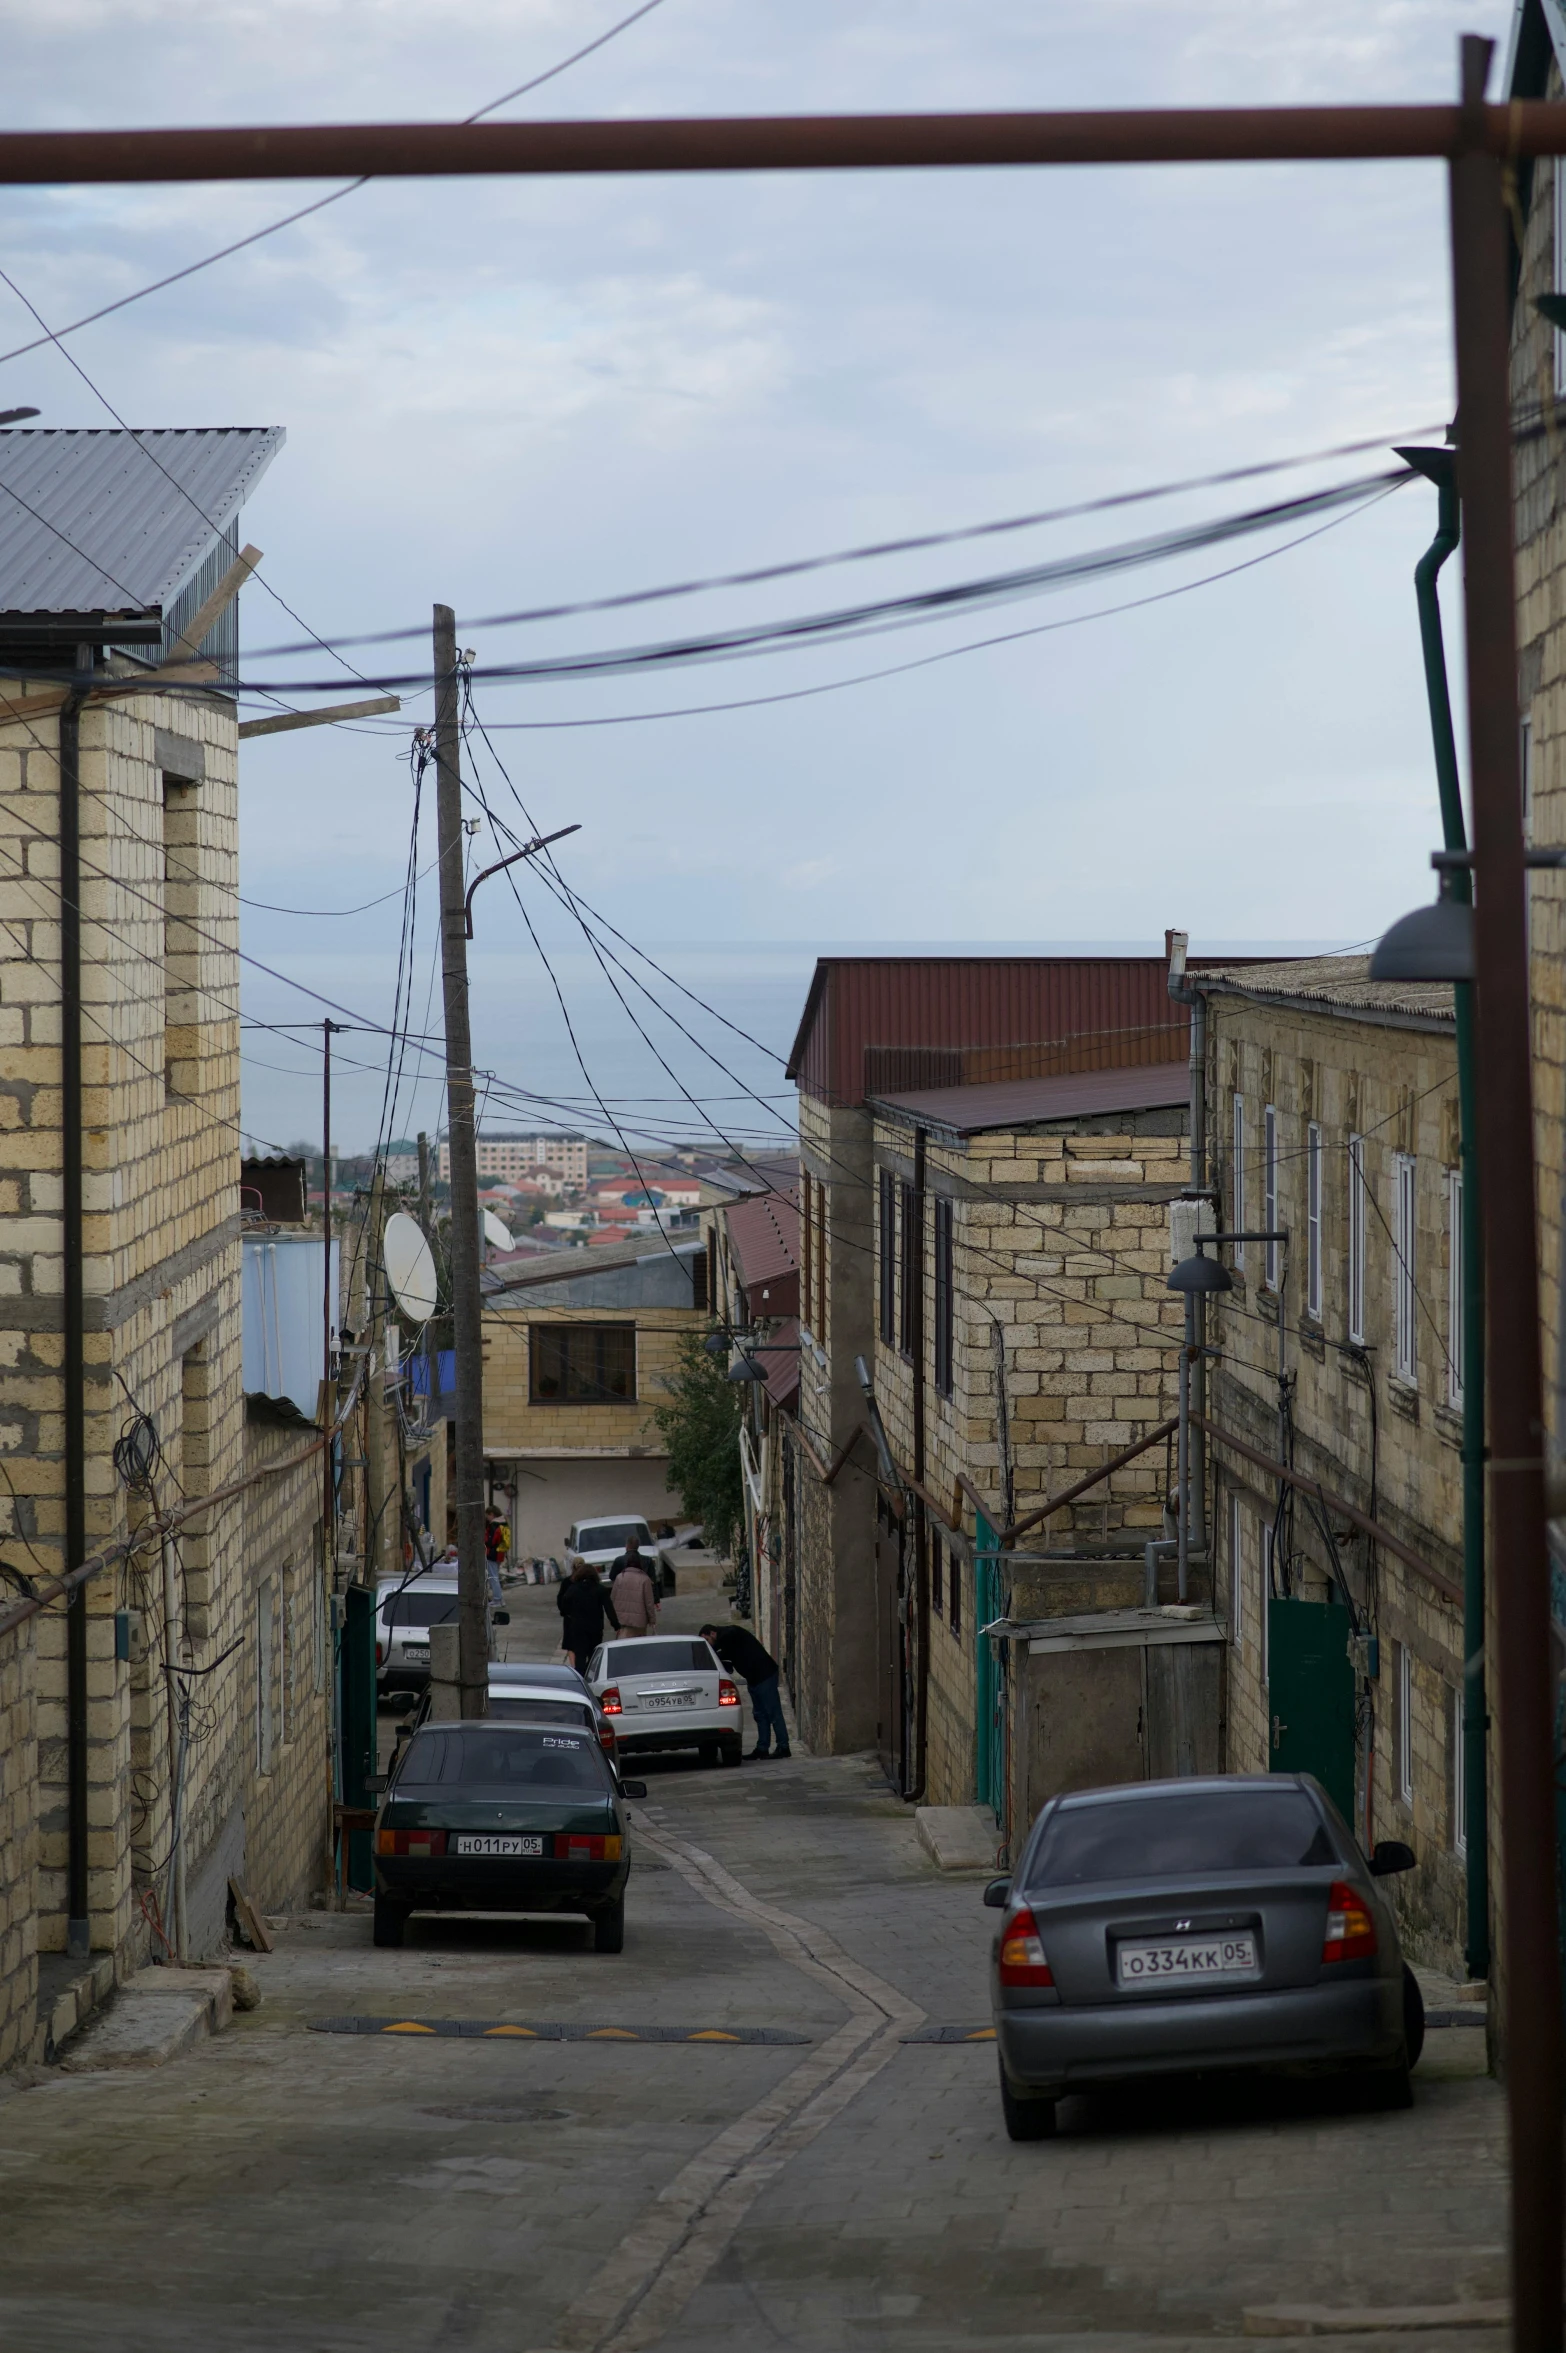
(555, 2031)
(950, 2034)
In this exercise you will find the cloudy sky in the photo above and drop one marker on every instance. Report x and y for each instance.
(500, 395)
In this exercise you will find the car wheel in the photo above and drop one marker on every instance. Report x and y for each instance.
(1028, 2117)
(1413, 2016)
(734, 1752)
(1387, 2087)
(390, 1920)
(609, 1928)
(709, 1752)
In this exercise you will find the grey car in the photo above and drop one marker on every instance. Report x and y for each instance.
(1173, 1927)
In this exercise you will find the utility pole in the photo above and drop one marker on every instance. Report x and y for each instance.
(467, 1337)
(377, 1500)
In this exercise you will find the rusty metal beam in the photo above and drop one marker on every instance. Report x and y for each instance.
(309, 151)
(1069, 1494)
(1503, 1042)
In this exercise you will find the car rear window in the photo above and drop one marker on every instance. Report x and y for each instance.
(509, 1757)
(1176, 1836)
(663, 1657)
(420, 1609)
(507, 1707)
(599, 1535)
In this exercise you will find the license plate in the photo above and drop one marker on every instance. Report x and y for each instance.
(669, 1699)
(487, 1843)
(415, 1650)
(1184, 1959)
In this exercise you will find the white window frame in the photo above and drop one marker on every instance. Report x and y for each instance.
(1459, 1782)
(1313, 1222)
(1237, 1205)
(1405, 1296)
(1405, 1724)
(1270, 1189)
(1358, 1203)
(1456, 1308)
(266, 1647)
(1237, 1567)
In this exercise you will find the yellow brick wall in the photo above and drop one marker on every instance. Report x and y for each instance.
(511, 1419)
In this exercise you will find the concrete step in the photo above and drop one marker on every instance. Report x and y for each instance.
(958, 1838)
(156, 2014)
(69, 1993)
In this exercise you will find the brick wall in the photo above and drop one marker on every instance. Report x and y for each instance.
(288, 1806)
(18, 1847)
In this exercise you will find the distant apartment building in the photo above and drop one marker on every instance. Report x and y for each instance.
(519, 1156)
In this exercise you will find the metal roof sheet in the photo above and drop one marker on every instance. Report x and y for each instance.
(1081, 1094)
(764, 1236)
(1339, 984)
(92, 522)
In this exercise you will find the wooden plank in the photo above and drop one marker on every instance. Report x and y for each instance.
(252, 1927)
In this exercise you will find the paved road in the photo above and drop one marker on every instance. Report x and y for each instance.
(326, 2193)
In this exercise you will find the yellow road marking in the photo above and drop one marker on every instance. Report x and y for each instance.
(980, 2034)
(407, 2026)
(712, 2034)
(618, 2034)
(527, 2030)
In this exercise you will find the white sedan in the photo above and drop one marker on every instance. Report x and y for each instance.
(668, 1691)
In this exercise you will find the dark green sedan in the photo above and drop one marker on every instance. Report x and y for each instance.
(486, 1817)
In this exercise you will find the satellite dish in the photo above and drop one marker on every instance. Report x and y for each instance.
(498, 1237)
(410, 1270)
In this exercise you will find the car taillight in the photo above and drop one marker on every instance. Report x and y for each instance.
(609, 1701)
(606, 1739)
(410, 1842)
(1351, 1932)
(573, 1847)
(380, 1654)
(728, 1697)
(1022, 1959)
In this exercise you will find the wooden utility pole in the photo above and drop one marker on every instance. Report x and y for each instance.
(379, 1558)
(467, 1338)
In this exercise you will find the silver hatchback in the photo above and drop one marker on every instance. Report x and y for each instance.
(1178, 1926)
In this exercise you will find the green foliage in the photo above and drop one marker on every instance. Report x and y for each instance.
(700, 1425)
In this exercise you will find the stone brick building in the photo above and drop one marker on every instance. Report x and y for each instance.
(575, 1357)
(175, 1687)
(753, 1287)
(1332, 1107)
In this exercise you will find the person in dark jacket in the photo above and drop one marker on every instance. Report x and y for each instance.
(583, 1610)
(744, 1656)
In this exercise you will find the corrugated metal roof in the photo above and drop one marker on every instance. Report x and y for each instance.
(1083, 1094)
(1064, 1012)
(764, 1237)
(90, 522)
(781, 1364)
(1339, 984)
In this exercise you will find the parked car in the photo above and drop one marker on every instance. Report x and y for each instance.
(486, 1817)
(668, 1691)
(519, 1693)
(603, 1541)
(405, 1610)
(1178, 1926)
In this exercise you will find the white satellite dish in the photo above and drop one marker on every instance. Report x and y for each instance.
(410, 1270)
(498, 1236)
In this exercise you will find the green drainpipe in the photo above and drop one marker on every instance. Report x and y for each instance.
(1439, 467)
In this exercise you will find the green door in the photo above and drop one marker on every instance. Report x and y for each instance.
(990, 1689)
(1310, 1696)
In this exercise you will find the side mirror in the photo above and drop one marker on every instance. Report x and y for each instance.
(633, 1789)
(500, 1617)
(998, 1894)
(1391, 1855)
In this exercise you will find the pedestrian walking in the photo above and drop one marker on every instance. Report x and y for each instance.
(580, 1601)
(744, 1656)
(632, 1594)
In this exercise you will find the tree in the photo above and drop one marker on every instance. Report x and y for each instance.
(700, 1425)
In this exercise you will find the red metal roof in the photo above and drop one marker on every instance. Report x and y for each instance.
(764, 1237)
(1083, 1094)
(782, 1370)
(921, 1021)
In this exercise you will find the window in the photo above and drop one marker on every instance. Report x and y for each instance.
(888, 1257)
(936, 1549)
(266, 1670)
(912, 1270)
(1357, 1206)
(807, 1264)
(1099, 1839)
(1525, 769)
(1313, 1221)
(820, 1293)
(1459, 1780)
(944, 1310)
(1270, 1190)
(1404, 1295)
(1266, 1598)
(181, 943)
(1557, 338)
(1237, 1569)
(1455, 1306)
(954, 1591)
(1405, 1723)
(1237, 1203)
(583, 1364)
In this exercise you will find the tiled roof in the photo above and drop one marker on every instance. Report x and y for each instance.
(1337, 984)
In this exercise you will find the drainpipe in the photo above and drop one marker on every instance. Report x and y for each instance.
(78, 1931)
(1193, 1369)
(1439, 466)
(921, 1521)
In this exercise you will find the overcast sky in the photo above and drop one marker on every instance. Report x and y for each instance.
(505, 394)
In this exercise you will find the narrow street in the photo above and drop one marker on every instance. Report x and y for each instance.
(834, 2185)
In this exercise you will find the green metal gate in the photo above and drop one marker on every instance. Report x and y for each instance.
(990, 1690)
(1310, 1695)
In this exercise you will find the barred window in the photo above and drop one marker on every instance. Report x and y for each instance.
(888, 1257)
(944, 1304)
